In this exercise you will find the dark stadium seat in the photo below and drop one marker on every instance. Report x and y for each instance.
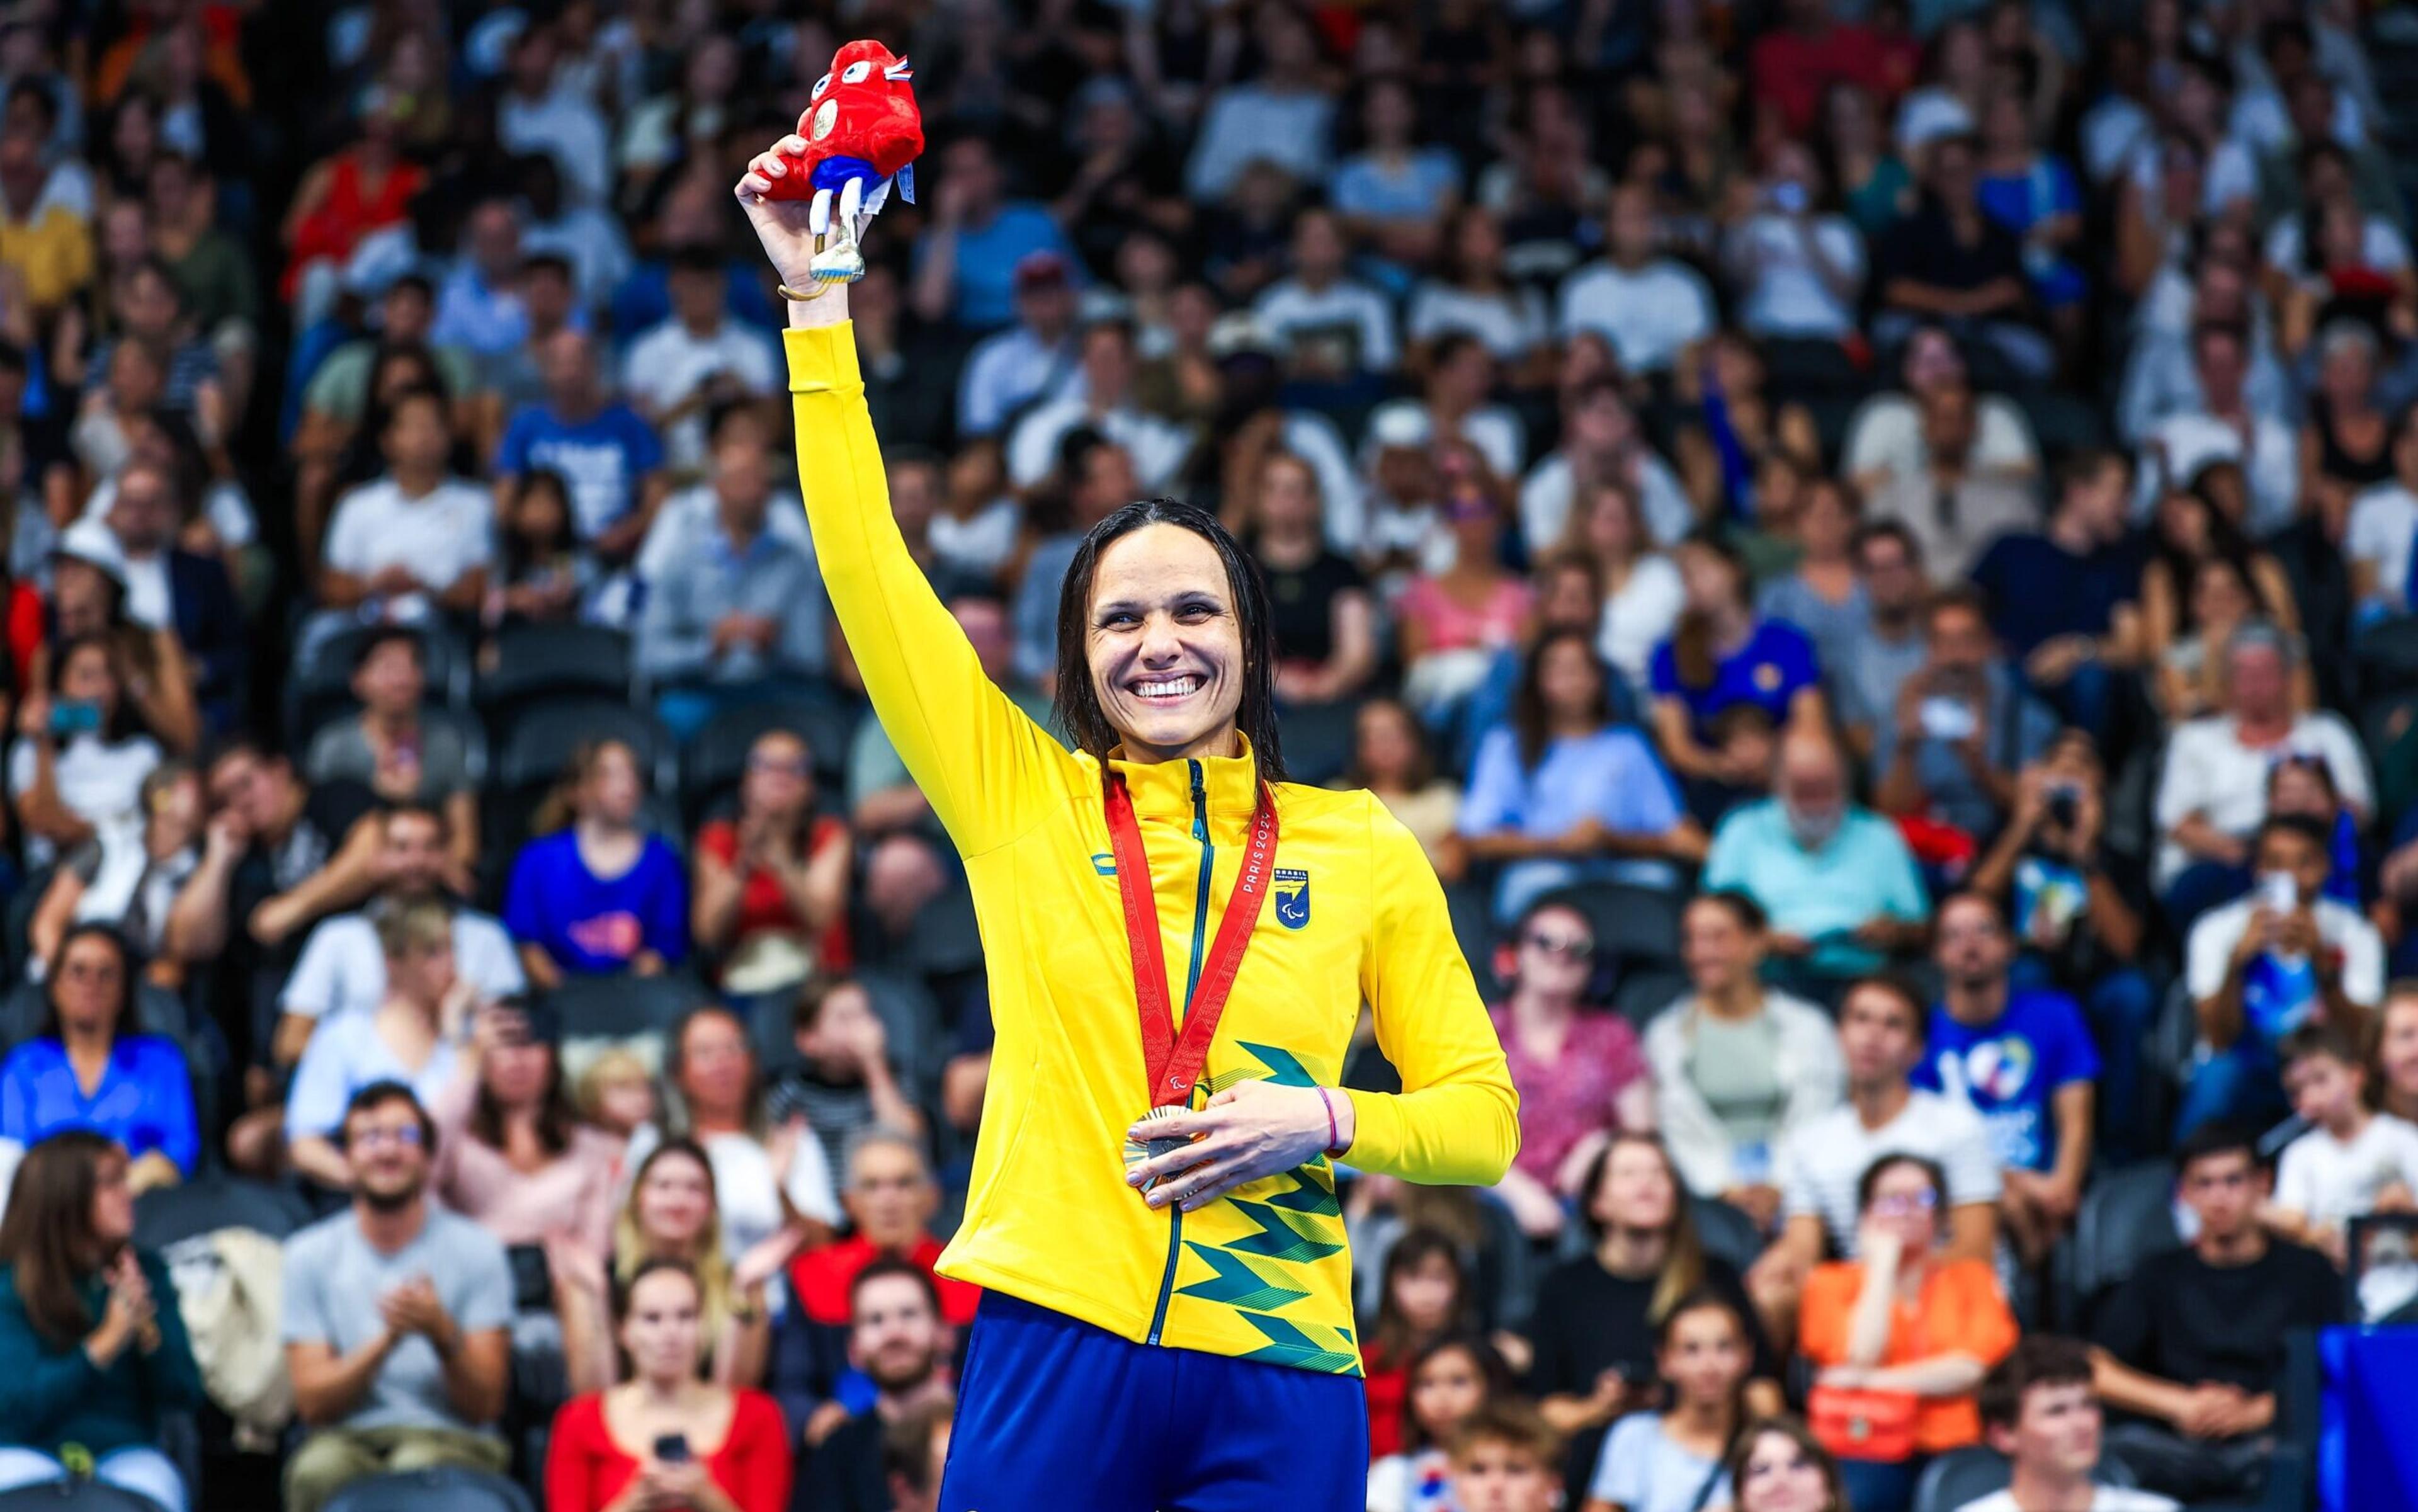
(165, 1215)
(1318, 740)
(2125, 1215)
(319, 686)
(1726, 1232)
(550, 660)
(74, 1496)
(2384, 659)
(624, 1007)
(450, 1488)
(541, 744)
(1645, 992)
(1633, 925)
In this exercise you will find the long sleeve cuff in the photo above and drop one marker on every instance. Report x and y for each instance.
(822, 358)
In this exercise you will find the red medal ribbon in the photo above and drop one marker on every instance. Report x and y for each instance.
(1173, 1061)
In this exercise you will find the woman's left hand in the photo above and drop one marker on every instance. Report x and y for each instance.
(1248, 1132)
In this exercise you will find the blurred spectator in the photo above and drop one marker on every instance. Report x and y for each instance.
(394, 1317)
(1323, 621)
(609, 454)
(1721, 653)
(2226, 425)
(2069, 643)
(2078, 920)
(1395, 197)
(1280, 117)
(1561, 794)
(2346, 441)
(1822, 595)
(771, 1180)
(1472, 293)
(1795, 64)
(478, 304)
(394, 750)
(342, 969)
(167, 588)
(1390, 758)
(1863, 1339)
(2034, 195)
(1834, 878)
(1032, 362)
(1577, 1067)
(2211, 786)
(2040, 1409)
(1797, 265)
(511, 1154)
(540, 574)
(1639, 590)
(700, 358)
(1598, 1359)
(846, 1081)
(1777, 1465)
(1451, 621)
(416, 539)
(1949, 261)
(598, 892)
(1881, 1025)
(76, 774)
(979, 247)
(1650, 308)
(1601, 447)
(891, 1200)
(660, 1316)
(2351, 1160)
(897, 1339)
(92, 1337)
(1732, 431)
(1739, 1068)
(1422, 1297)
(88, 601)
(672, 1214)
(1670, 1461)
(1455, 404)
(2023, 1059)
(1887, 650)
(2191, 1344)
(2259, 967)
(1954, 467)
(2382, 524)
(88, 1066)
(2189, 613)
(771, 882)
(128, 883)
(733, 608)
(2392, 1075)
(585, 236)
(1452, 1381)
(1963, 727)
(409, 1039)
(1102, 399)
(1330, 327)
(1503, 1461)
(45, 243)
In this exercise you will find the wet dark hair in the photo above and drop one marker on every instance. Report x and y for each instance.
(1079, 709)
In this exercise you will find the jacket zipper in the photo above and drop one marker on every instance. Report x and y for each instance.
(1191, 981)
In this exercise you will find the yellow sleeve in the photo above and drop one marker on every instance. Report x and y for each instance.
(980, 762)
(1456, 1121)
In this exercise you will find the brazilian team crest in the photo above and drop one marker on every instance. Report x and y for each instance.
(1292, 897)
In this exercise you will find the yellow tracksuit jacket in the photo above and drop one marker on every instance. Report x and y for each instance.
(1355, 913)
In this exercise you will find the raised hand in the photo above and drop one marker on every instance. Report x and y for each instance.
(784, 227)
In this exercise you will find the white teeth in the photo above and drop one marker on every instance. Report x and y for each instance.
(1169, 687)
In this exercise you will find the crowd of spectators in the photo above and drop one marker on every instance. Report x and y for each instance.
(1871, 544)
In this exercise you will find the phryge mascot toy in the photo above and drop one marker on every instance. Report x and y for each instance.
(863, 133)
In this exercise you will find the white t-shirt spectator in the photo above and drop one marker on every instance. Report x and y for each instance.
(743, 1186)
(1825, 1159)
(1247, 123)
(100, 781)
(2102, 1499)
(665, 365)
(1639, 1469)
(1545, 501)
(2231, 174)
(1647, 314)
(2329, 1181)
(1511, 324)
(1782, 291)
(444, 533)
(565, 128)
(1886, 436)
(342, 968)
(689, 513)
(345, 1055)
(1347, 314)
(1638, 617)
(2191, 441)
(2209, 950)
(1495, 430)
(2208, 772)
(2381, 246)
(1157, 446)
(2383, 522)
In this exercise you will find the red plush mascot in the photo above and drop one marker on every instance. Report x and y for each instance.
(863, 133)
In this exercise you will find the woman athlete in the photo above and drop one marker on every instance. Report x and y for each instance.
(1168, 1313)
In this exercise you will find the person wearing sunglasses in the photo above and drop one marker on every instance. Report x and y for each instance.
(396, 1317)
(1900, 1338)
(1578, 1067)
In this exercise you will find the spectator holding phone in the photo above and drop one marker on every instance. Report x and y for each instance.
(1963, 726)
(81, 757)
(666, 1437)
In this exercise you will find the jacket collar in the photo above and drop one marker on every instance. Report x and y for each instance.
(1162, 791)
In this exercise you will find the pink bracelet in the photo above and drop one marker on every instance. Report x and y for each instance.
(1334, 1138)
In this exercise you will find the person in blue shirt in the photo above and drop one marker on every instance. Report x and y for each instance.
(93, 1347)
(597, 893)
(88, 1069)
(1835, 878)
(607, 453)
(1721, 655)
(1560, 794)
(2024, 1060)
(965, 262)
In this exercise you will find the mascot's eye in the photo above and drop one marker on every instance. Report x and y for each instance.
(821, 84)
(857, 72)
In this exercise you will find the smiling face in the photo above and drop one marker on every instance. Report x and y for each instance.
(1165, 645)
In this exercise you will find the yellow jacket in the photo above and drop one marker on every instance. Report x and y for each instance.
(1266, 1273)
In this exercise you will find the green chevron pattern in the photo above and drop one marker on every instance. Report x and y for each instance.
(1277, 1239)
(1276, 1066)
(1293, 1346)
(1312, 1194)
(1237, 1284)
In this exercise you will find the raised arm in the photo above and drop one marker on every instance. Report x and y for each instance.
(979, 761)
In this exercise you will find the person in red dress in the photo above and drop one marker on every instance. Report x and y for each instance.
(667, 1440)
